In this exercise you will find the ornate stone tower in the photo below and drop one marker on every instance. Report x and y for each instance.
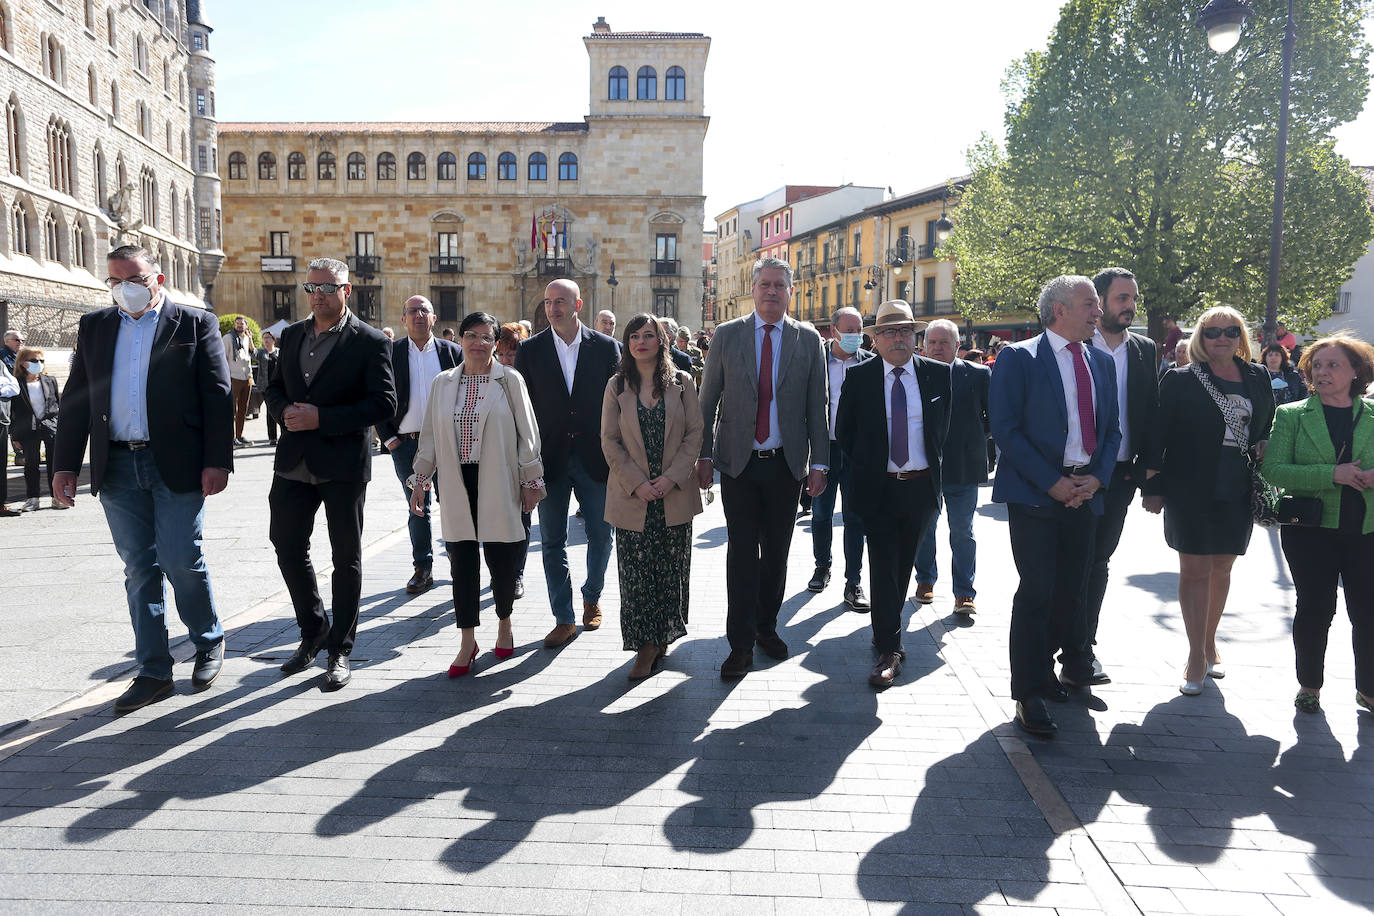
(200, 74)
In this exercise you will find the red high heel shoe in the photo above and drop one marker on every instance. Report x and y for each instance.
(460, 670)
(503, 654)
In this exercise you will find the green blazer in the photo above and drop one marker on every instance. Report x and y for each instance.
(1301, 460)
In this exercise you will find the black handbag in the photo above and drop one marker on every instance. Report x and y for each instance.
(1302, 511)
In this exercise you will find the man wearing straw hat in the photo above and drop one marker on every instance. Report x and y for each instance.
(892, 421)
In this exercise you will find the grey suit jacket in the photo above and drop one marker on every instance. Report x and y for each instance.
(730, 397)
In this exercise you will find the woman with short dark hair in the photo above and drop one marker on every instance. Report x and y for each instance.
(1285, 380)
(34, 422)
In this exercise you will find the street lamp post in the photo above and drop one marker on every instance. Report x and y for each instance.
(1222, 20)
(612, 282)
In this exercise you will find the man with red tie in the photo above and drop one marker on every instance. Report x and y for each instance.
(1053, 412)
(763, 399)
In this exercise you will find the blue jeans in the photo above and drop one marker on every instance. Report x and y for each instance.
(421, 535)
(960, 501)
(553, 536)
(823, 513)
(158, 532)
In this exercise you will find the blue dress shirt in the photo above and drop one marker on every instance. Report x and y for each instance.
(774, 434)
(129, 379)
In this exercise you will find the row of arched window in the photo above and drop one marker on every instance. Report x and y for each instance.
(646, 84)
(326, 167)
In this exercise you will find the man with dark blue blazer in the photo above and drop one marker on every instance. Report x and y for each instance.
(1053, 414)
(149, 390)
(891, 424)
(963, 469)
(566, 367)
(333, 383)
(415, 360)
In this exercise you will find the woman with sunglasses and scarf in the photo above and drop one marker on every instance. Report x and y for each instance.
(1214, 420)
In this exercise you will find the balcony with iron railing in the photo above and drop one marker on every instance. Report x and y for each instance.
(364, 265)
(553, 267)
(927, 252)
(835, 264)
(446, 264)
(935, 307)
(806, 271)
(661, 267)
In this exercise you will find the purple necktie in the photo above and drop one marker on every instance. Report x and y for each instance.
(1083, 383)
(898, 433)
(761, 419)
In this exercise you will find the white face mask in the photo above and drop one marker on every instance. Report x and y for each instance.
(35, 368)
(132, 297)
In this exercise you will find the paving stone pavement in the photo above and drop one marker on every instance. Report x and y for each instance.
(549, 784)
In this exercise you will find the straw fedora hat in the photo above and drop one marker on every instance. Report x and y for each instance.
(894, 313)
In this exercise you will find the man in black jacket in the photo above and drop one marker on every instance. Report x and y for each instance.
(333, 382)
(566, 367)
(149, 390)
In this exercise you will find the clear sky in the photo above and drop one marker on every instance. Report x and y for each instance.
(872, 92)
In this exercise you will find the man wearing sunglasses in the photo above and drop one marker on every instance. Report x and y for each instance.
(333, 382)
(149, 390)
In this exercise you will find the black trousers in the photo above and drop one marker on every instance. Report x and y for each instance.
(1317, 558)
(504, 563)
(894, 534)
(293, 505)
(760, 516)
(34, 463)
(1052, 548)
(1078, 654)
(4, 463)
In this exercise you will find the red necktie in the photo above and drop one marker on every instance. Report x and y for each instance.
(1083, 383)
(762, 427)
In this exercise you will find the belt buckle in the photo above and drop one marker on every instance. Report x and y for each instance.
(765, 453)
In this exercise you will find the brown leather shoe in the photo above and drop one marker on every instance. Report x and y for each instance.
(737, 665)
(886, 671)
(421, 581)
(964, 605)
(591, 614)
(559, 635)
(925, 592)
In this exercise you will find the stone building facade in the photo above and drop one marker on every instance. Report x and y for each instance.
(101, 139)
(481, 216)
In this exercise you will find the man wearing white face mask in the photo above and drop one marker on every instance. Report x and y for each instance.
(843, 352)
(149, 390)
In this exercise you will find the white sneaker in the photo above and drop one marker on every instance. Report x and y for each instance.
(57, 505)
(30, 505)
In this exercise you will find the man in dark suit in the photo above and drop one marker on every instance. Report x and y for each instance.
(767, 419)
(963, 469)
(1137, 398)
(1053, 414)
(892, 422)
(415, 360)
(843, 352)
(149, 390)
(333, 383)
(566, 367)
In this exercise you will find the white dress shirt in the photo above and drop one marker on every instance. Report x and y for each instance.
(774, 439)
(915, 417)
(424, 366)
(1119, 356)
(838, 368)
(567, 354)
(1074, 453)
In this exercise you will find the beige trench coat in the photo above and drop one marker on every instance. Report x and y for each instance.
(507, 441)
(624, 448)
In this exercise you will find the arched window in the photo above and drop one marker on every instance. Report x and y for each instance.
(54, 60)
(238, 166)
(538, 167)
(4, 27)
(141, 116)
(93, 85)
(477, 167)
(114, 98)
(506, 167)
(98, 169)
(325, 167)
(111, 35)
(60, 156)
(147, 188)
(386, 167)
(646, 86)
(448, 167)
(172, 196)
(618, 84)
(295, 166)
(20, 242)
(90, 15)
(14, 145)
(415, 167)
(81, 244)
(189, 212)
(141, 53)
(567, 167)
(52, 237)
(267, 166)
(357, 167)
(169, 138)
(675, 84)
(121, 172)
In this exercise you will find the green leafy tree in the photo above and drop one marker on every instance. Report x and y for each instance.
(1130, 142)
(226, 324)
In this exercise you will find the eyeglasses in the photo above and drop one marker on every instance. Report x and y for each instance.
(470, 337)
(1231, 331)
(890, 333)
(144, 280)
(328, 289)
(409, 312)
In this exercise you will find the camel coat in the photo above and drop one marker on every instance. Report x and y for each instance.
(624, 448)
(507, 441)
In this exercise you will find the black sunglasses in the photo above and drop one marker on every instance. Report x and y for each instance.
(328, 289)
(1231, 331)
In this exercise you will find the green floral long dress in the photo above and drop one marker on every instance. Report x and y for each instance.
(654, 564)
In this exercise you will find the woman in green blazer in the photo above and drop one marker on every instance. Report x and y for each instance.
(1324, 447)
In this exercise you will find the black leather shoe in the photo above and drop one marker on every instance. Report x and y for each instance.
(305, 654)
(820, 580)
(420, 582)
(1093, 678)
(1057, 692)
(886, 670)
(141, 692)
(772, 645)
(856, 599)
(736, 665)
(1034, 717)
(338, 673)
(207, 667)
(519, 588)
